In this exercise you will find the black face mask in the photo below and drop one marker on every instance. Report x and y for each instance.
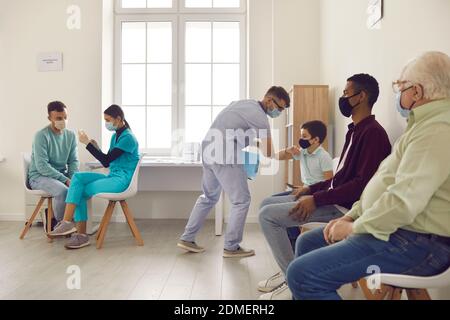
(304, 144)
(345, 106)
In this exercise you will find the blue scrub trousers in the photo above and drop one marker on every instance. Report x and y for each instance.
(84, 185)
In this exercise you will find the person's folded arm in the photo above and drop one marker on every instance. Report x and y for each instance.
(320, 186)
(42, 161)
(373, 153)
(105, 159)
(424, 167)
(356, 211)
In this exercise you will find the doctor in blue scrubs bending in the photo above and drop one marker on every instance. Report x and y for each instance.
(121, 159)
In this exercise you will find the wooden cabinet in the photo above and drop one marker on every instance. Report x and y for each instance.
(308, 102)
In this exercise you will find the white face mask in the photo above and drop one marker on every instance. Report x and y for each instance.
(61, 124)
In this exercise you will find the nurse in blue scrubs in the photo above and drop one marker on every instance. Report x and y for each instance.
(121, 159)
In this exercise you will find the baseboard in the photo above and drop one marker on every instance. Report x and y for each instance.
(114, 218)
(14, 217)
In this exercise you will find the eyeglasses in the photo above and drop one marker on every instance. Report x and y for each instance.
(398, 86)
(278, 106)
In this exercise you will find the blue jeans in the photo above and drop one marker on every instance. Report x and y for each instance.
(319, 270)
(56, 189)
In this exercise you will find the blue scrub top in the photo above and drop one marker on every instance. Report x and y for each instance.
(126, 163)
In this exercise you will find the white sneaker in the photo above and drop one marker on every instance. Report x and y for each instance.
(281, 293)
(272, 283)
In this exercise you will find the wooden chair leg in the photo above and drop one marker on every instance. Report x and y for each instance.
(107, 217)
(33, 216)
(102, 223)
(395, 294)
(385, 292)
(417, 294)
(131, 223)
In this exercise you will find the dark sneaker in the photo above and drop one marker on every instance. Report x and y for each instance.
(239, 253)
(62, 229)
(77, 241)
(190, 246)
(44, 221)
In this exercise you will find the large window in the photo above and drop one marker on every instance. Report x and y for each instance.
(178, 64)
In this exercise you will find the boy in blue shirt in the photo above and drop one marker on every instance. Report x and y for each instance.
(316, 164)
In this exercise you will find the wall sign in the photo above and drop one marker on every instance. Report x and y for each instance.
(50, 61)
(375, 14)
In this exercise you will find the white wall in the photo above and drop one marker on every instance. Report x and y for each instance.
(27, 28)
(408, 28)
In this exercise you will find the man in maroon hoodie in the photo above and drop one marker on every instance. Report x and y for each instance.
(366, 146)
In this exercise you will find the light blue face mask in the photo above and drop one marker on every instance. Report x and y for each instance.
(274, 113)
(110, 126)
(403, 112)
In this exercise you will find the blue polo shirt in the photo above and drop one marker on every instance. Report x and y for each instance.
(313, 165)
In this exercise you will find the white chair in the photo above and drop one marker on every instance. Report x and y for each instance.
(39, 193)
(113, 198)
(392, 286)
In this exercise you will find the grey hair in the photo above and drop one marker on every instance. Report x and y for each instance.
(432, 71)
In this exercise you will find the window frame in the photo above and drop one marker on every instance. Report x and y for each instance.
(179, 6)
(119, 10)
(178, 16)
(182, 62)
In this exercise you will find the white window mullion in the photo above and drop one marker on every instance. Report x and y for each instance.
(146, 85)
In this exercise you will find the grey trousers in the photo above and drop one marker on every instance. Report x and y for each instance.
(233, 180)
(57, 189)
(274, 219)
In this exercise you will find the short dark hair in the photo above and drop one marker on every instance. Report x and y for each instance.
(57, 106)
(367, 83)
(280, 93)
(317, 129)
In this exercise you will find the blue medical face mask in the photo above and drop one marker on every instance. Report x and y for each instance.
(274, 113)
(403, 112)
(110, 126)
(398, 104)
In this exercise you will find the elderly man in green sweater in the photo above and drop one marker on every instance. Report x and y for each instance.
(54, 158)
(401, 224)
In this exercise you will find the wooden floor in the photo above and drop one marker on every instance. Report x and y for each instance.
(35, 269)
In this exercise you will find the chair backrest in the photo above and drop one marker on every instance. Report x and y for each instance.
(26, 158)
(133, 187)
